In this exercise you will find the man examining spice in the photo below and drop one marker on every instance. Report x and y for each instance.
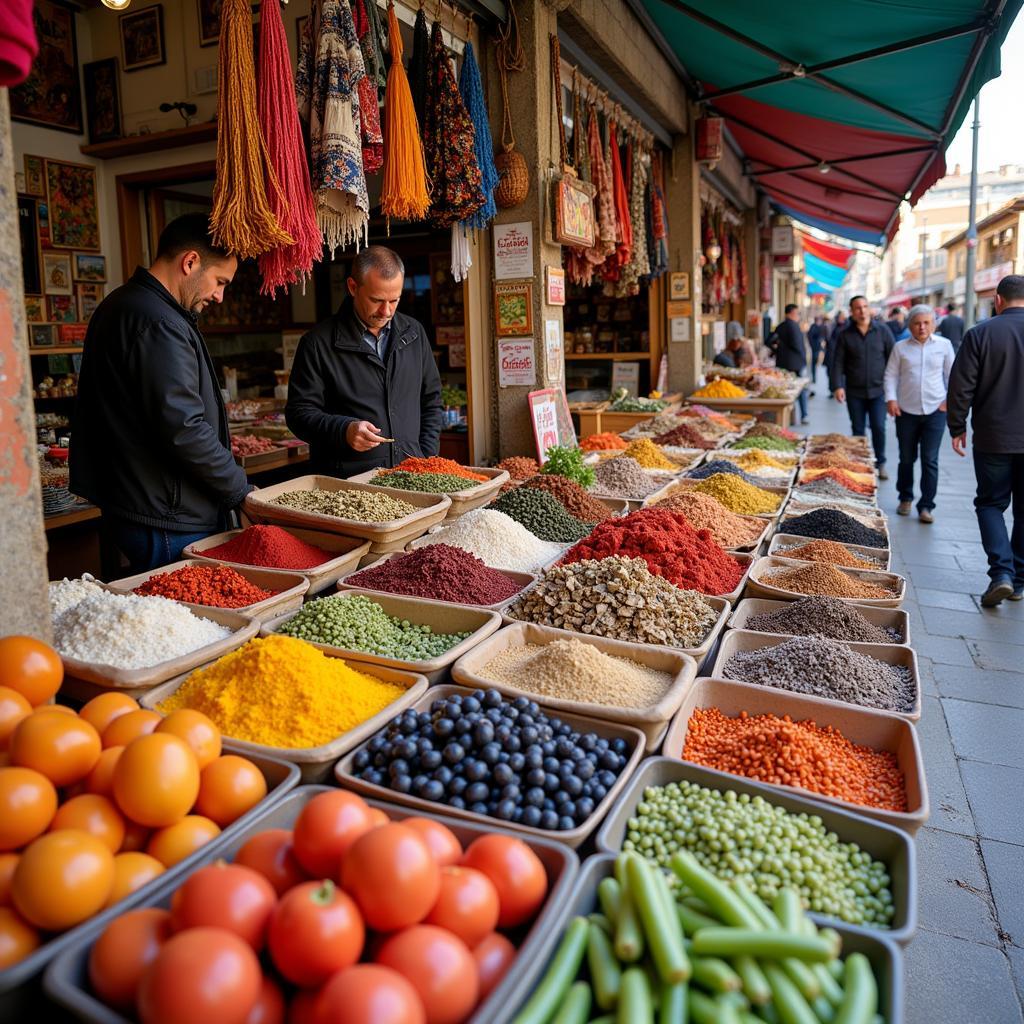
(364, 389)
(150, 444)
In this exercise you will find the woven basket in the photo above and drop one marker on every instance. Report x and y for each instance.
(513, 178)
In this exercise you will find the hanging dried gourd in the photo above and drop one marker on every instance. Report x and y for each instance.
(472, 92)
(242, 221)
(514, 175)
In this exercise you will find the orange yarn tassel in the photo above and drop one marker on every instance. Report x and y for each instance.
(242, 221)
(404, 189)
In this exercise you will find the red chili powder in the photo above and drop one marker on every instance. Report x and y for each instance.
(218, 586)
(434, 464)
(270, 547)
(671, 548)
(440, 572)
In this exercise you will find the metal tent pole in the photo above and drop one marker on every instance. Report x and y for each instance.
(972, 228)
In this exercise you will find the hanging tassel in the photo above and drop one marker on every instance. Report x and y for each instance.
(419, 65)
(243, 220)
(472, 92)
(404, 190)
(462, 258)
(279, 120)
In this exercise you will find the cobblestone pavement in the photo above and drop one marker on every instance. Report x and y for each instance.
(966, 963)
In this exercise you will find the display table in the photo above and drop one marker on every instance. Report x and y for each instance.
(779, 410)
(596, 419)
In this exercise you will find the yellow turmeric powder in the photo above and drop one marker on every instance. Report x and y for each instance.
(283, 692)
(756, 458)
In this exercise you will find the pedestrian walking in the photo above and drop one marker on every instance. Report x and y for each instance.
(897, 324)
(830, 346)
(857, 376)
(987, 381)
(916, 380)
(952, 326)
(816, 338)
(790, 351)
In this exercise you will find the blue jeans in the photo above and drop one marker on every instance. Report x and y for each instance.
(801, 402)
(924, 433)
(863, 410)
(1000, 479)
(145, 547)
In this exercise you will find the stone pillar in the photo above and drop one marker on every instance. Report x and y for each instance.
(752, 252)
(24, 606)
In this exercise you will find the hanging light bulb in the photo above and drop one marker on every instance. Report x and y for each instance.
(116, 5)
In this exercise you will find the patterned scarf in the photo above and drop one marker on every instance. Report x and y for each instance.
(369, 98)
(639, 263)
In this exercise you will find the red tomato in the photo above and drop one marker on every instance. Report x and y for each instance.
(314, 931)
(517, 874)
(227, 896)
(369, 994)
(391, 874)
(442, 841)
(120, 956)
(271, 854)
(440, 967)
(493, 958)
(204, 974)
(269, 1008)
(467, 904)
(328, 825)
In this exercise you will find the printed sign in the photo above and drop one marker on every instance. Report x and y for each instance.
(626, 375)
(553, 349)
(680, 329)
(556, 286)
(515, 363)
(679, 286)
(513, 251)
(552, 423)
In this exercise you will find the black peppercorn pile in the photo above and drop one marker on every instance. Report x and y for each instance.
(831, 524)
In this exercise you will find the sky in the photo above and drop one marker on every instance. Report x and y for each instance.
(1000, 138)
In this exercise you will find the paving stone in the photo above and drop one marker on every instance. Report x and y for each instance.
(926, 670)
(993, 791)
(972, 624)
(1004, 864)
(994, 654)
(1016, 956)
(942, 650)
(949, 806)
(985, 732)
(984, 685)
(946, 599)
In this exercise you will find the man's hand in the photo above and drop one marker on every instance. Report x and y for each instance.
(942, 407)
(894, 408)
(960, 444)
(840, 394)
(362, 436)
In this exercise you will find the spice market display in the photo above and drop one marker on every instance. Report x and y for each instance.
(739, 496)
(624, 477)
(825, 580)
(830, 551)
(542, 514)
(703, 512)
(576, 501)
(361, 506)
(823, 616)
(269, 547)
(216, 586)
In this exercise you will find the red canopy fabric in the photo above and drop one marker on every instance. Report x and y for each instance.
(837, 255)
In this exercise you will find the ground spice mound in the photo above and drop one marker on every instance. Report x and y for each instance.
(720, 388)
(602, 442)
(542, 514)
(434, 464)
(520, 467)
(757, 459)
(649, 455)
(623, 477)
(431, 483)
(282, 692)
(572, 670)
(725, 466)
(772, 430)
(824, 580)
(729, 424)
(705, 513)
(858, 483)
(819, 441)
(270, 547)
(828, 551)
(773, 444)
(711, 425)
(836, 460)
(783, 752)
(685, 435)
(439, 572)
(739, 496)
(217, 586)
(670, 547)
(825, 668)
(831, 524)
(823, 616)
(829, 490)
(573, 498)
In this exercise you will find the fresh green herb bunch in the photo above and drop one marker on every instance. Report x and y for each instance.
(568, 462)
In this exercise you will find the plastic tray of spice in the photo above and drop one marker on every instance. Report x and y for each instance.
(892, 846)
(738, 640)
(780, 542)
(461, 501)
(758, 586)
(869, 727)
(884, 955)
(884, 618)
(260, 505)
(347, 552)
(288, 587)
(315, 763)
(440, 617)
(281, 778)
(521, 579)
(67, 981)
(652, 719)
(347, 778)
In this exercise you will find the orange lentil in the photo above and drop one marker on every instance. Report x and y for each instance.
(603, 442)
(783, 752)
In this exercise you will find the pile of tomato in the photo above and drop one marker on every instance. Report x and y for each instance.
(348, 917)
(94, 805)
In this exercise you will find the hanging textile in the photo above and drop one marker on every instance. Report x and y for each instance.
(369, 101)
(601, 175)
(638, 264)
(419, 66)
(659, 216)
(472, 92)
(404, 190)
(292, 205)
(373, 41)
(242, 220)
(462, 258)
(448, 138)
(611, 269)
(330, 68)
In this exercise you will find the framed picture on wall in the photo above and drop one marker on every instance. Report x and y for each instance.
(62, 309)
(35, 176)
(57, 273)
(51, 96)
(35, 309)
(72, 205)
(89, 267)
(513, 310)
(89, 296)
(102, 100)
(142, 38)
(209, 22)
(42, 335)
(29, 245)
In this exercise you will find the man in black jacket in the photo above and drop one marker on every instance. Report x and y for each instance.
(790, 351)
(987, 381)
(366, 374)
(150, 443)
(952, 327)
(858, 374)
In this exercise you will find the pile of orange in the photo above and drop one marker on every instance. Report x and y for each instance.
(96, 804)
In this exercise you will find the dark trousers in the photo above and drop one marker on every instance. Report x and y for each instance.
(864, 410)
(1000, 479)
(815, 353)
(919, 434)
(801, 402)
(143, 547)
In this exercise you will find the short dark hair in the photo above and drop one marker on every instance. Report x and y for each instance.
(895, 310)
(385, 261)
(189, 231)
(855, 298)
(1011, 288)
(951, 307)
(790, 306)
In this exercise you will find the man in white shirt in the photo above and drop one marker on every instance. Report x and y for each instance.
(916, 379)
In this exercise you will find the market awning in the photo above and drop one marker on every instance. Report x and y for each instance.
(842, 110)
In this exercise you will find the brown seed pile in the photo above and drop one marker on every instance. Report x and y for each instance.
(819, 442)
(828, 551)
(705, 513)
(519, 467)
(836, 460)
(575, 499)
(823, 616)
(623, 477)
(823, 580)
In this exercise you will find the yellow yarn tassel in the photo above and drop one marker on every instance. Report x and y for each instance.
(404, 190)
(242, 221)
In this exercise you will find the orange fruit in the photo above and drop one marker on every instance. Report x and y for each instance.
(94, 814)
(174, 843)
(62, 747)
(31, 667)
(28, 802)
(156, 780)
(135, 837)
(17, 938)
(13, 708)
(8, 862)
(197, 731)
(228, 788)
(132, 870)
(102, 710)
(125, 728)
(101, 779)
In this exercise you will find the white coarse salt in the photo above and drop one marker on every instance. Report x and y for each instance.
(497, 540)
(65, 593)
(129, 631)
